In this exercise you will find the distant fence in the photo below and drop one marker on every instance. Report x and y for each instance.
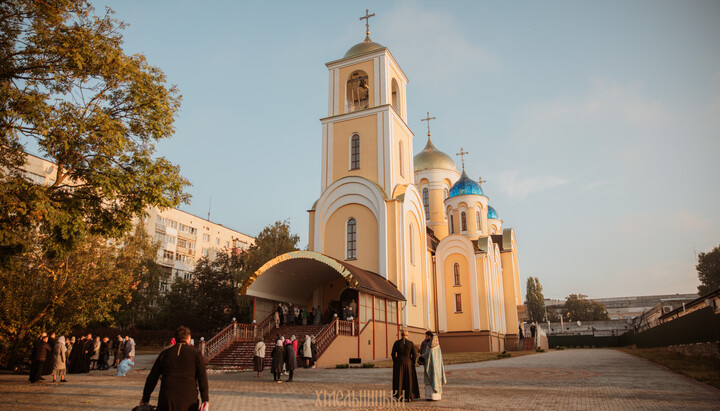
(701, 326)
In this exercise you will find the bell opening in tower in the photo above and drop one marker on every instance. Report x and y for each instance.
(358, 91)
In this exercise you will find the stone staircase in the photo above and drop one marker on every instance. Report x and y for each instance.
(239, 354)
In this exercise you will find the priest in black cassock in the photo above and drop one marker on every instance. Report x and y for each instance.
(74, 365)
(405, 382)
(182, 368)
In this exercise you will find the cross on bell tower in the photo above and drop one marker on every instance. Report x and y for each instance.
(367, 23)
(428, 118)
(462, 154)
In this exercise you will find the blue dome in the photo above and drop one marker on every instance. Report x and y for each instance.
(492, 213)
(465, 186)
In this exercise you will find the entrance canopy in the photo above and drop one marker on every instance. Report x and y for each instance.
(294, 276)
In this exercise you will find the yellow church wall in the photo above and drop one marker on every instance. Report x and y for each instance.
(366, 128)
(344, 75)
(416, 312)
(393, 243)
(461, 321)
(482, 276)
(438, 222)
(311, 230)
(367, 236)
(399, 135)
(509, 287)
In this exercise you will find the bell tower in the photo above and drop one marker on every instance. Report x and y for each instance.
(365, 133)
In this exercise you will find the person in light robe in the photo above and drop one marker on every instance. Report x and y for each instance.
(434, 370)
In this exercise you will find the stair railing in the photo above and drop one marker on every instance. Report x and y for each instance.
(328, 334)
(233, 332)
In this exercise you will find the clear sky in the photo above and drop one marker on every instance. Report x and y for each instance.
(596, 124)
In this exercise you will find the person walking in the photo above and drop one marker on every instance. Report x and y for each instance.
(40, 352)
(434, 371)
(278, 354)
(259, 357)
(404, 382)
(59, 360)
(182, 369)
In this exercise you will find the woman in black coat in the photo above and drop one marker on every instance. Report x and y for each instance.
(278, 358)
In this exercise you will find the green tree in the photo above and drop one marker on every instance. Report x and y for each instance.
(535, 301)
(68, 89)
(41, 293)
(216, 290)
(579, 308)
(708, 268)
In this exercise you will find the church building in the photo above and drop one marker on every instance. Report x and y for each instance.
(413, 240)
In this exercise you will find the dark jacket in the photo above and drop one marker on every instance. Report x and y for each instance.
(182, 368)
(40, 351)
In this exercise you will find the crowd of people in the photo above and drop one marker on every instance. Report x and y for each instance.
(287, 314)
(286, 354)
(182, 366)
(58, 356)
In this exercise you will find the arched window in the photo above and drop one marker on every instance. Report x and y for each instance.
(426, 203)
(412, 245)
(456, 274)
(479, 221)
(355, 152)
(463, 222)
(445, 193)
(400, 153)
(351, 239)
(358, 91)
(451, 224)
(395, 96)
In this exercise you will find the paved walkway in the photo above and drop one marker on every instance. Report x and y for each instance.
(578, 379)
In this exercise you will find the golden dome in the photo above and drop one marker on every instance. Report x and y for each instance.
(431, 157)
(362, 48)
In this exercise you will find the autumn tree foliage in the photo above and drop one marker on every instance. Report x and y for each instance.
(579, 308)
(708, 268)
(69, 93)
(534, 300)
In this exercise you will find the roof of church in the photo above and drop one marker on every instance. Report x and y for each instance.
(372, 283)
(364, 47)
(492, 213)
(430, 158)
(465, 186)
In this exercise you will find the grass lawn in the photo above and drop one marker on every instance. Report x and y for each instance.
(705, 369)
(461, 357)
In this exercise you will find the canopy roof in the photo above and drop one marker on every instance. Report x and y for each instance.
(293, 277)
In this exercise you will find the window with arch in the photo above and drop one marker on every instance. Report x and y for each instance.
(445, 193)
(463, 222)
(400, 153)
(478, 220)
(355, 152)
(458, 303)
(451, 225)
(412, 244)
(351, 239)
(426, 202)
(358, 91)
(395, 97)
(456, 274)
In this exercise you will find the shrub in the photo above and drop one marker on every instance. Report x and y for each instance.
(342, 366)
